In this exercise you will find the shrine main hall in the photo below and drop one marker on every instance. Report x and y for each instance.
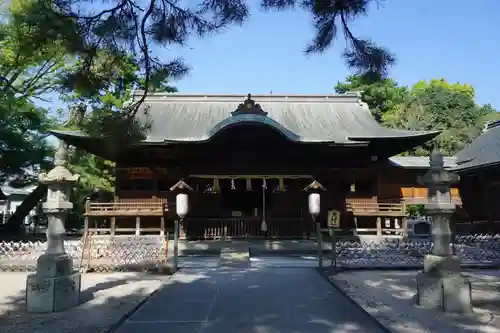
(247, 160)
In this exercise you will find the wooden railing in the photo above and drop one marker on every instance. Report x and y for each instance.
(127, 207)
(409, 193)
(243, 227)
(371, 208)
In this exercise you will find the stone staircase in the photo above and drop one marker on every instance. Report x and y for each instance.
(237, 255)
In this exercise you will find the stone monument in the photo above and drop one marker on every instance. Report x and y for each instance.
(55, 286)
(441, 285)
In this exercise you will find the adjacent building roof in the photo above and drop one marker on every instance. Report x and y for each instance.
(8, 190)
(484, 151)
(419, 162)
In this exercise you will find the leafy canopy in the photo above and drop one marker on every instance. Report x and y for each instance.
(132, 27)
(433, 105)
(29, 68)
(381, 96)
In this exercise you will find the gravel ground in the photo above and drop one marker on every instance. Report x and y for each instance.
(106, 298)
(387, 295)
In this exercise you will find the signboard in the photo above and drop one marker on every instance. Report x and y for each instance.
(333, 219)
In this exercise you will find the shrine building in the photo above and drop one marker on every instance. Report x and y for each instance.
(248, 159)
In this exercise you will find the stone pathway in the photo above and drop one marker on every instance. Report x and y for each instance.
(252, 300)
(387, 295)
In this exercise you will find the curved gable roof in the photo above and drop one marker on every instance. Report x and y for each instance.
(250, 119)
(303, 118)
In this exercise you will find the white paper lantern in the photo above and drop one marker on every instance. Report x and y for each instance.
(181, 205)
(314, 204)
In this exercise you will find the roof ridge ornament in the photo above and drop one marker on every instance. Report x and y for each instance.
(249, 107)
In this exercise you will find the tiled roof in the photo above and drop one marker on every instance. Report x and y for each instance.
(419, 162)
(305, 118)
(482, 152)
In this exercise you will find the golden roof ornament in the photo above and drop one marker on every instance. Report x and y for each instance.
(249, 107)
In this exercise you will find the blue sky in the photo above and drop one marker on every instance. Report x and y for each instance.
(431, 39)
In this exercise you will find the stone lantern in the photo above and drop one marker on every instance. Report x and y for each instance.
(55, 286)
(441, 284)
(182, 209)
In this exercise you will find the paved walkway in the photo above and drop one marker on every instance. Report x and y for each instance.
(255, 300)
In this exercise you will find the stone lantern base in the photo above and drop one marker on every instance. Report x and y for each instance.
(55, 286)
(442, 286)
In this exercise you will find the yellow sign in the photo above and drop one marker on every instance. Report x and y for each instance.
(333, 219)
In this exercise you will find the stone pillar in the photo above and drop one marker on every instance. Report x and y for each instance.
(441, 285)
(55, 286)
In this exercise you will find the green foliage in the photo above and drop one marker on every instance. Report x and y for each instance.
(415, 210)
(438, 105)
(95, 173)
(38, 58)
(434, 105)
(381, 96)
(463, 89)
(28, 69)
(23, 149)
(98, 112)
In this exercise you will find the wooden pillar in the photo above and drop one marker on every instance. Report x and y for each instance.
(379, 226)
(137, 225)
(486, 202)
(113, 225)
(162, 226)
(355, 229)
(404, 225)
(182, 233)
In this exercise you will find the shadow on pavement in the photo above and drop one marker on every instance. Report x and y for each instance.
(387, 295)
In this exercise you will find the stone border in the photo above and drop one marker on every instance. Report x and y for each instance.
(398, 314)
(355, 300)
(113, 328)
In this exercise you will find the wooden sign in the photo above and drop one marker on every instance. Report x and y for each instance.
(333, 219)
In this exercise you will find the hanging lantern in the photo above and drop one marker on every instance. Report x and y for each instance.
(181, 205)
(181, 198)
(249, 184)
(314, 198)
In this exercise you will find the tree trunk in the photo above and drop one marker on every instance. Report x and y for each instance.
(15, 222)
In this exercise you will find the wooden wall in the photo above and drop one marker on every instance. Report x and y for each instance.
(389, 184)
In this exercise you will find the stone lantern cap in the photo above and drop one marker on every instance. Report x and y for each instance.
(58, 175)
